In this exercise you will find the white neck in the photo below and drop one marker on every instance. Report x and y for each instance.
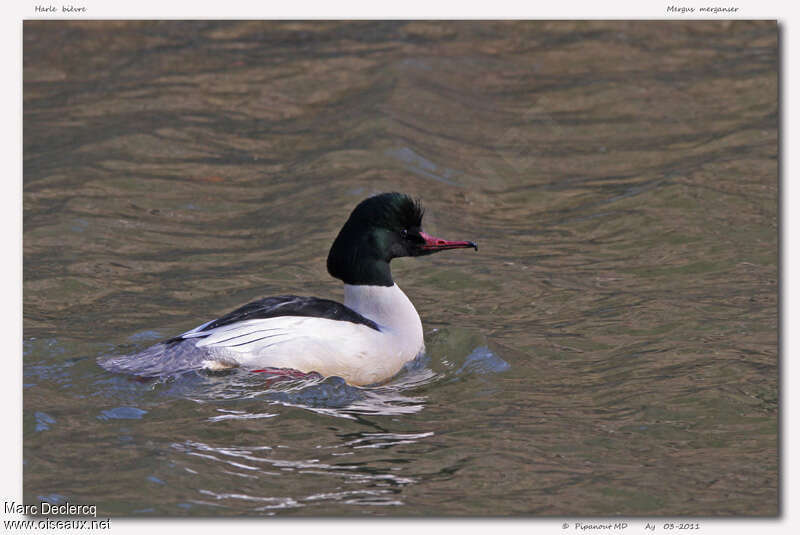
(387, 306)
(400, 337)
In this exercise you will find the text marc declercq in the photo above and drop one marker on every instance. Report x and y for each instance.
(45, 508)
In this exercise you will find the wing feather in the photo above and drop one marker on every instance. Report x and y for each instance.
(286, 305)
(295, 329)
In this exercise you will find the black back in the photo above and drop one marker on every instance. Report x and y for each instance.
(289, 305)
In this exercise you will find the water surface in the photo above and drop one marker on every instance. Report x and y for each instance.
(611, 349)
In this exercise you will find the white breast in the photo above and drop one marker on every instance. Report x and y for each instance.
(358, 353)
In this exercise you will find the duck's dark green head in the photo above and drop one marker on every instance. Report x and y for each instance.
(380, 228)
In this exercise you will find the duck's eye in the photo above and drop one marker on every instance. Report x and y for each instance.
(404, 234)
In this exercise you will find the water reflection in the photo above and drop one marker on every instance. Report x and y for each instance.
(266, 462)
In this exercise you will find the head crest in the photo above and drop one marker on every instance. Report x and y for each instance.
(389, 210)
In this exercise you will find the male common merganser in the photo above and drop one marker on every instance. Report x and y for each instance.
(365, 341)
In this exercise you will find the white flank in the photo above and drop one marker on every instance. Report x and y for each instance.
(357, 353)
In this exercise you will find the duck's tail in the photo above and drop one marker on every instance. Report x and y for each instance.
(173, 357)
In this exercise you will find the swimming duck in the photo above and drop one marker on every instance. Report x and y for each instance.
(365, 341)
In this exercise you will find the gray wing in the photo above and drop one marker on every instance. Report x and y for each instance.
(162, 359)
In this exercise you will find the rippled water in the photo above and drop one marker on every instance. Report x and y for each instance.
(611, 349)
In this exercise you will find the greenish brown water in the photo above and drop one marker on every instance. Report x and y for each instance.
(610, 350)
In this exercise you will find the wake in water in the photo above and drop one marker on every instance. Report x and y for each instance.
(453, 356)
